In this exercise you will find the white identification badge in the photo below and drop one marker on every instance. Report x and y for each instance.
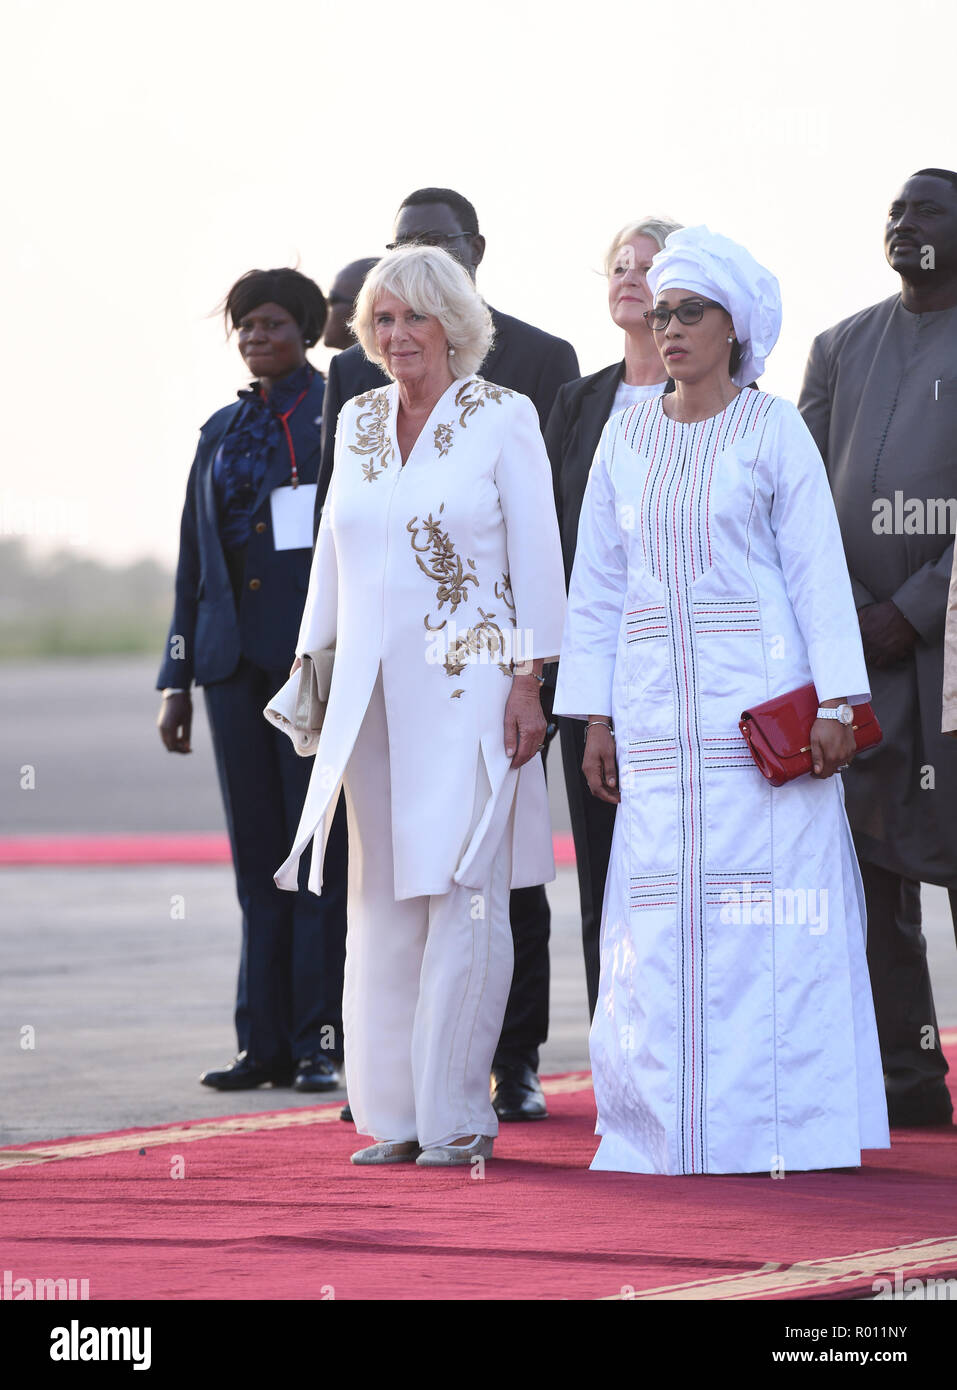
(292, 513)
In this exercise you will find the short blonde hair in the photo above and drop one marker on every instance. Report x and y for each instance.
(432, 282)
(658, 228)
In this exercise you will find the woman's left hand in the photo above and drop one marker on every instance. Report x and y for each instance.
(524, 721)
(832, 747)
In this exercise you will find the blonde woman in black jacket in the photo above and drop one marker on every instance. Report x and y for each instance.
(574, 427)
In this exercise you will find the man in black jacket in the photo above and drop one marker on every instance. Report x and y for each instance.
(523, 359)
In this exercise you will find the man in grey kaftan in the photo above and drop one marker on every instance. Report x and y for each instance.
(880, 399)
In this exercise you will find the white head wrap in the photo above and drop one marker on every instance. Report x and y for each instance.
(695, 258)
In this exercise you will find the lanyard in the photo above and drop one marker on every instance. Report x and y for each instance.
(284, 421)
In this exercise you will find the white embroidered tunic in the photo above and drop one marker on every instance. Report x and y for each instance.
(734, 1029)
(441, 571)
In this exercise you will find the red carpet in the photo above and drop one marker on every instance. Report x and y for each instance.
(79, 850)
(151, 848)
(268, 1206)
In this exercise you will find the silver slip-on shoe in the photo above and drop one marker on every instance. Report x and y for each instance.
(449, 1155)
(388, 1151)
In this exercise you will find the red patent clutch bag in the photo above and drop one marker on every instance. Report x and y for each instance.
(778, 733)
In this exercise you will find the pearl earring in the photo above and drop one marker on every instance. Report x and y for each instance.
(451, 352)
(730, 340)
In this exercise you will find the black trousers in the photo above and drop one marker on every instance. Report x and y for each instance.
(289, 993)
(526, 1014)
(593, 824)
(914, 1064)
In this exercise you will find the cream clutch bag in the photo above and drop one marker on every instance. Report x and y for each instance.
(315, 680)
(299, 708)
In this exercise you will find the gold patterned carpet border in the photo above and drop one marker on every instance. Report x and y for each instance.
(800, 1280)
(193, 1130)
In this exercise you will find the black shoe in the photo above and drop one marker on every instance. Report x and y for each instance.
(244, 1073)
(915, 1111)
(319, 1073)
(517, 1093)
(346, 1114)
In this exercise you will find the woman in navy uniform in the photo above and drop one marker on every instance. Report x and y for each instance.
(244, 561)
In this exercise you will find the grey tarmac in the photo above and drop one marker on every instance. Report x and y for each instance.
(128, 1000)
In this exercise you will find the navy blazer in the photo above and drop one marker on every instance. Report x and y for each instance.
(212, 634)
(521, 357)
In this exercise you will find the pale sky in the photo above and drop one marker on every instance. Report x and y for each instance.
(154, 152)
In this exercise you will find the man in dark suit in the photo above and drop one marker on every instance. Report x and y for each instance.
(342, 302)
(535, 363)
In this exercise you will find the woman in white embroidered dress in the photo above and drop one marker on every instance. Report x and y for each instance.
(735, 1029)
(438, 580)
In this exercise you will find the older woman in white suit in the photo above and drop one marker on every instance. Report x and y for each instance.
(438, 580)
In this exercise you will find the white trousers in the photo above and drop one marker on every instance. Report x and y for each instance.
(426, 979)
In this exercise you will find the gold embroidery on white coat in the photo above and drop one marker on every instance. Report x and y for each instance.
(484, 636)
(503, 590)
(444, 434)
(444, 565)
(473, 395)
(371, 434)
